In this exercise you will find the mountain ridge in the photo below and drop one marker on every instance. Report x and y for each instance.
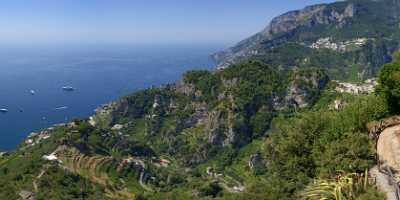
(340, 22)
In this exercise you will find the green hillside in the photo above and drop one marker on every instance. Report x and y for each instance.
(273, 125)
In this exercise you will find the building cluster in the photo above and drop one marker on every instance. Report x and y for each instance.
(326, 43)
(364, 88)
(36, 137)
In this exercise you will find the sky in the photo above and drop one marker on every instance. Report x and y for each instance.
(138, 21)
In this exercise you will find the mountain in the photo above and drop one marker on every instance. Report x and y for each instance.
(351, 39)
(264, 128)
(165, 140)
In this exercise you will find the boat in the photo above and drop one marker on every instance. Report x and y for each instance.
(32, 92)
(68, 88)
(3, 110)
(61, 108)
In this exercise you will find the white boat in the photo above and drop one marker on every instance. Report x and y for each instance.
(3, 110)
(61, 108)
(68, 88)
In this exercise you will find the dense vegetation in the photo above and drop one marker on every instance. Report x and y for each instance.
(389, 83)
(208, 129)
(321, 143)
(336, 64)
(261, 129)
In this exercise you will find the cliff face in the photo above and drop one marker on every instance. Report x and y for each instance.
(340, 22)
(227, 108)
(280, 29)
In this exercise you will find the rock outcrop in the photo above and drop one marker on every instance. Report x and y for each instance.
(302, 87)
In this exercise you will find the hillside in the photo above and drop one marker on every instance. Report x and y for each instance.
(195, 125)
(247, 131)
(350, 39)
(261, 128)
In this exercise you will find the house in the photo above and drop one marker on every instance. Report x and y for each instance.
(367, 87)
(29, 141)
(117, 127)
(164, 162)
(26, 195)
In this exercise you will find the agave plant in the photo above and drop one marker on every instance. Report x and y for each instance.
(346, 186)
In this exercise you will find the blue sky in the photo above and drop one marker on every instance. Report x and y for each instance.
(134, 21)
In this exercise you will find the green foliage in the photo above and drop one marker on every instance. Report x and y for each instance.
(389, 85)
(371, 194)
(206, 82)
(321, 142)
(260, 122)
(376, 21)
(352, 152)
(350, 186)
(56, 184)
(396, 57)
(223, 156)
(236, 105)
(210, 189)
(256, 83)
(337, 65)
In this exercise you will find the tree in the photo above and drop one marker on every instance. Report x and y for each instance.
(211, 189)
(396, 57)
(389, 85)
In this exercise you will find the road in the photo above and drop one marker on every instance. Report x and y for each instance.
(142, 173)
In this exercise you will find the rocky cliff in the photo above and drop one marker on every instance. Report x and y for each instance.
(374, 23)
(221, 104)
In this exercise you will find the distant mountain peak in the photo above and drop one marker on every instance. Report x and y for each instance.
(344, 21)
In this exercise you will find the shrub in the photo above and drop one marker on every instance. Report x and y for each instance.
(350, 186)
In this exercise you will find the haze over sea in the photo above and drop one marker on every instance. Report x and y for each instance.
(99, 75)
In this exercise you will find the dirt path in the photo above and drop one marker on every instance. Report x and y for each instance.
(35, 186)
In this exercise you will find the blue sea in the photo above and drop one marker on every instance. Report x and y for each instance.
(99, 75)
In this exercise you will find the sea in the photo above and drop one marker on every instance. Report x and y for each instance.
(31, 80)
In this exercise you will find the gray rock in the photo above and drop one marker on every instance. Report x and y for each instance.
(26, 195)
(310, 16)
